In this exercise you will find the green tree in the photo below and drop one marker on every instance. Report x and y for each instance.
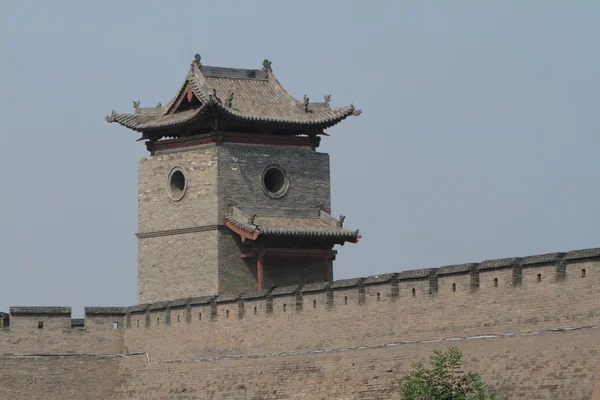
(443, 379)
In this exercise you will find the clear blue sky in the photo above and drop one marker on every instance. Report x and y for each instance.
(479, 135)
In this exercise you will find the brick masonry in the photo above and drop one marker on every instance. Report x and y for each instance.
(183, 249)
(240, 174)
(173, 264)
(534, 337)
(240, 168)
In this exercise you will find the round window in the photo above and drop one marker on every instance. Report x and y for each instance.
(177, 184)
(274, 180)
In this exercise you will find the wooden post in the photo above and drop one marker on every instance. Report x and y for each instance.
(327, 269)
(259, 271)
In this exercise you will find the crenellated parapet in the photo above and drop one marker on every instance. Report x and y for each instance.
(511, 294)
(52, 330)
(427, 280)
(504, 313)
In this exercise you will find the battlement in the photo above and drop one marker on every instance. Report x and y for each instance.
(52, 330)
(40, 311)
(60, 317)
(431, 275)
(411, 283)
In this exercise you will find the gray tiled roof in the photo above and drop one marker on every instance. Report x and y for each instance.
(541, 258)
(257, 97)
(415, 274)
(303, 224)
(105, 310)
(138, 308)
(40, 310)
(201, 300)
(256, 295)
(180, 302)
(380, 278)
(314, 287)
(455, 269)
(498, 263)
(158, 305)
(342, 283)
(585, 253)
(227, 297)
(147, 122)
(284, 290)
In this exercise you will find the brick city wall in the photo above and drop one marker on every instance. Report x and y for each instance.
(50, 330)
(45, 354)
(529, 325)
(59, 378)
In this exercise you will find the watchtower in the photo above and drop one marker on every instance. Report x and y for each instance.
(234, 197)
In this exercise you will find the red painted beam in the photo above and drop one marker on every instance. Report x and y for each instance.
(243, 233)
(259, 272)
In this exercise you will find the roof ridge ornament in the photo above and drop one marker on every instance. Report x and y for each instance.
(229, 101)
(251, 219)
(214, 97)
(305, 102)
(355, 112)
(340, 223)
(267, 67)
(197, 59)
(136, 106)
(112, 117)
(327, 100)
(159, 105)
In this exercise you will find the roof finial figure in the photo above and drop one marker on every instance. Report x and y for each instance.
(251, 219)
(112, 117)
(355, 112)
(159, 105)
(136, 105)
(267, 67)
(214, 96)
(327, 100)
(229, 101)
(305, 101)
(197, 60)
(340, 222)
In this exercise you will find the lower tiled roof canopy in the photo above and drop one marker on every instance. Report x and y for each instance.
(254, 223)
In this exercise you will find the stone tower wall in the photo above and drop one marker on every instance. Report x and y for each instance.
(240, 171)
(178, 240)
(240, 175)
(184, 249)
